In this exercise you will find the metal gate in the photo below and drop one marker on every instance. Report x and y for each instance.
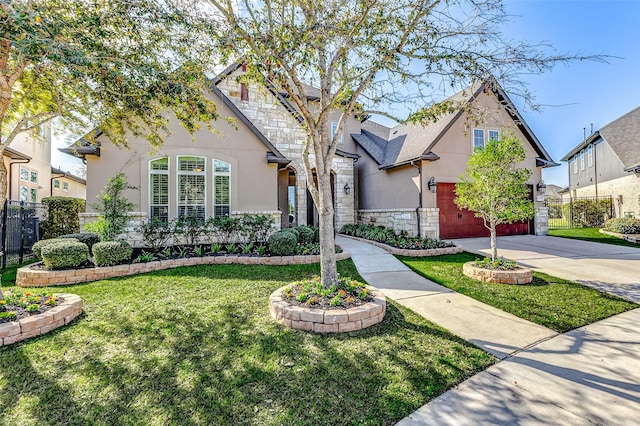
(579, 212)
(20, 229)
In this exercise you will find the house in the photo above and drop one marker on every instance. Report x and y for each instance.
(407, 174)
(65, 184)
(607, 163)
(253, 163)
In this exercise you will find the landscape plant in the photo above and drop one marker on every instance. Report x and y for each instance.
(114, 209)
(38, 245)
(494, 185)
(109, 253)
(623, 225)
(62, 216)
(156, 233)
(84, 237)
(68, 253)
(283, 242)
(388, 236)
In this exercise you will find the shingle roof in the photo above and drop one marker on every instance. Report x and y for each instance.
(623, 136)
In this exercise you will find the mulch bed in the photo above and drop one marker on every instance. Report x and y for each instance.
(21, 312)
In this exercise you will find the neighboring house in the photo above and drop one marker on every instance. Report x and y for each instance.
(607, 163)
(407, 173)
(254, 164)
(28, 162)
(65, 184)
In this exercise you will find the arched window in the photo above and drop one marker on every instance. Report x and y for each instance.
(221, 188)
(159, 189)
(192, 187)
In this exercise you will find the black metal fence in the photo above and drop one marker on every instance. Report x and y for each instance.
(579, 212)
(20, 229)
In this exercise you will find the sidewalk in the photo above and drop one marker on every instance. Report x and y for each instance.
(497, 332)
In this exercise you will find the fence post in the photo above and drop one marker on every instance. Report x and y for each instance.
(4, 233)
(21, 231)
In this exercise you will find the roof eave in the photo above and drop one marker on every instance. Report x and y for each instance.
(593, 137)
(541, 162)
(346, 154)
(425, 157)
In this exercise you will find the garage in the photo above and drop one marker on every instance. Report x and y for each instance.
(461, 223)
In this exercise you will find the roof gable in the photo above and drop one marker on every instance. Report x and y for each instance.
(623, 136)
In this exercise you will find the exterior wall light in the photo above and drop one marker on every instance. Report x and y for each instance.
(347, 190)
(541, 187)
(432, 184)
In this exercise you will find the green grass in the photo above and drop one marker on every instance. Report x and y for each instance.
(552, 302)
(197, 346)
(591, 234)
(9, 273)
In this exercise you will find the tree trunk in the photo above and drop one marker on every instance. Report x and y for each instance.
(328, 267)
(494, 247)
(3, 178)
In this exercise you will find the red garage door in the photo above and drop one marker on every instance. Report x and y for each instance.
(457, 223)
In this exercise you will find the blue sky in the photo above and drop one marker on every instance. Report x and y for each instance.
(582, 92)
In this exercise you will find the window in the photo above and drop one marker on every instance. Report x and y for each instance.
(65, 186)
(478, 139)
(159, 189)
(590, 155)
(334, 129)
(582, 160)
(33, 192)
(24, 193)
(56, 183)
(494, 135)
(34, 177)
(24, 174)
(221, 188)
(575, 164)
(192, 187)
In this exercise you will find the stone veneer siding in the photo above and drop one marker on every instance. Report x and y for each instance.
(330, 320)
(625, 189)
(404, 220)
(35, 325)
(27, 277)
(541, 221)
(138, 218)
(288, 136)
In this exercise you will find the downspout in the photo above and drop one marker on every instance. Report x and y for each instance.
(51, 183)
(11, 163)
(419, 167)
(595, 168)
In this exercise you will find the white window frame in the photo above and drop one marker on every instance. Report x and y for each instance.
(33, 173)
(24, 189)
(213, 192)
(56, 183)
(191, 173)
(159, 172)
(575, 164)
(334, 129)
(582, 160)
(26, 175)
(65, 186)
(476, 138)
(590, 154)
(494, 132)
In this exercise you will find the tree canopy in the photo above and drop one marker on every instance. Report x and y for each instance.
(493, 185)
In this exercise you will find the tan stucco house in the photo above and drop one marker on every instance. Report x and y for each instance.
(253, 164)
(607, 163)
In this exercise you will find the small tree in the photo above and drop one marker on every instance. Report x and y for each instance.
(494, 186)
(113, 208)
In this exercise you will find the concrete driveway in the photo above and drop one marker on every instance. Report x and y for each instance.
(614, 269)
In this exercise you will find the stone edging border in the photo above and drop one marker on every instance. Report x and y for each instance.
(35, 325)
(27, 277)
(632, 239)
(328, 321)
(407, 252)
(516, 276)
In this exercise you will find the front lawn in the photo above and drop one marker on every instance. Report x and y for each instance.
(591, 234)
(196, 346)
(552, 302)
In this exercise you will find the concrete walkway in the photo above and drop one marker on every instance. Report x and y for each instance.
(493, 330)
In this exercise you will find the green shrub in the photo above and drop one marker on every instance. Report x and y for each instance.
(225, 229)
(67, 253)
(623, 225)
(282, 243)
(109, 253)
(62, 216)
(306, 234)
(156, 233)
(256, 227)
(113, 207)
(38, 245)
(86, 237)
(587, 213)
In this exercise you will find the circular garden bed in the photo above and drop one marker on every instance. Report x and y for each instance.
(518, 275)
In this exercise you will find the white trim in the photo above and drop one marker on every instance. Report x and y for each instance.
(214, 173)
(334, 128)
(497, 132)
(582, 160)
(190, 173)
(473, 139)
(150, 172)
(590, 154)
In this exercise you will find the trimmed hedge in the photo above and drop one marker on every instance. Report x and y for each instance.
(62, 216)
(67, 253)
(86, 237)
(283, 243)
(623, 225)
(109, 253)
(38, 245)
(306, 234)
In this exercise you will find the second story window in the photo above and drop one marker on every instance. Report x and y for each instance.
(575, 164)
(24, 174)
(34, 177)
(56, 183)
(590, 155)
(582, 160)
(478, 138)
(65, 186)
(494, 135)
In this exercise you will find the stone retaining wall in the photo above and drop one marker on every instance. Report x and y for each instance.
(27, 277)
(331, 320)
(517, 276)
(404, 220)
(35, 325)
(632, 238)
(409, 252)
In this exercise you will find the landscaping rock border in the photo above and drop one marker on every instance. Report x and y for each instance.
(632, 238)
(35, 325)
(330, 320)
(516, 276)
(27, 277)
(409, 252)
